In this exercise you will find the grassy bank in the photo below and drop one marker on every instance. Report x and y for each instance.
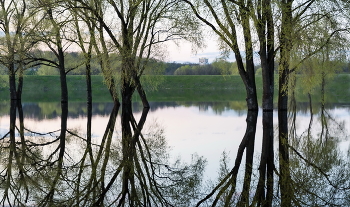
(160, 88)
(173, 88)
(164, 82)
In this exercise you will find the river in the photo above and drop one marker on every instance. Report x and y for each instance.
(207, 129)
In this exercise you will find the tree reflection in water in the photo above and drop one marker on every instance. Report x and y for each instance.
(90, 172)
(224, 193)
(36, 172)
(320, 169)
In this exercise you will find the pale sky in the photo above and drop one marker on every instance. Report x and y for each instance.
(183, 52)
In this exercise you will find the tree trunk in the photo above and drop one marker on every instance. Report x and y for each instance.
(64, 106)
(265, 30)
(20, 84)
(284, 72)
(88, 102)
(128, 148)
(12, 81)
(249, 75)
(250, 137)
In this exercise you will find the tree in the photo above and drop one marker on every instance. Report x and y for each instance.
(15, 43)
(47, 70)
(223, 65)
(230, 28)
(140, 27)
(52, 31)
(318, 166)
(183, 70)
(296, 20)
(226, 27)
(17, 40)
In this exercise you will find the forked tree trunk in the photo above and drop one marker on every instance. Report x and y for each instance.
(128, 149)
(265, 30)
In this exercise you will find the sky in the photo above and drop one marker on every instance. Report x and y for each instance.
(183, 53)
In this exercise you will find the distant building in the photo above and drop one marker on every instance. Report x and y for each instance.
(203, 61)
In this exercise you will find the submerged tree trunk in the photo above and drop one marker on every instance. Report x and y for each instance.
(284, 72)
(250, 139)
(264, 190)
(20, 84)
(265, 30)
(324, 131)
(64, 115)
(12, 150)
(88, 104)
(128, 146)
(229, 182)
(64, 107)
(13, 101)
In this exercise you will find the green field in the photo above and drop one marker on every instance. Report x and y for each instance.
(167, 88)
(158, 88)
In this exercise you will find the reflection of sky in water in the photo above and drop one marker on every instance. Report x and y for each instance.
(4, 125)
(340, 116)
(189, 130)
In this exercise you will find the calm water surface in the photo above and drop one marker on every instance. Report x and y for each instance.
(205, 128)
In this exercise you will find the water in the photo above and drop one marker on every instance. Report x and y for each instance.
(190, 127)
(204, 128)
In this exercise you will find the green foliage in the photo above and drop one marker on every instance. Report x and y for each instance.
(224, 66)
(170, 68)
(197, 70)
(183, 70)
(154, 67)
(320, 169)
(3, 70)
(74, 62)
(258, 72)
(224, 165)
(314, 71)
(47, 70)
(189, 177)
(234, 69)
(4, 82)
(49, 109)
(218, 67)
(319, 52)
(152, 83)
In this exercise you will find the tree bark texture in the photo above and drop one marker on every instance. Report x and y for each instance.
(284, 72)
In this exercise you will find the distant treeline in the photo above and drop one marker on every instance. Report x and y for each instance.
(75, 65)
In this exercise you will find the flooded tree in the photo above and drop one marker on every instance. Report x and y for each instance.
(294, 25)
(230, 21)
(227, 28)
(224, 192)
(317, 164)
(129, 164)
(16, 42)
(227, 19)
(140, 26)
